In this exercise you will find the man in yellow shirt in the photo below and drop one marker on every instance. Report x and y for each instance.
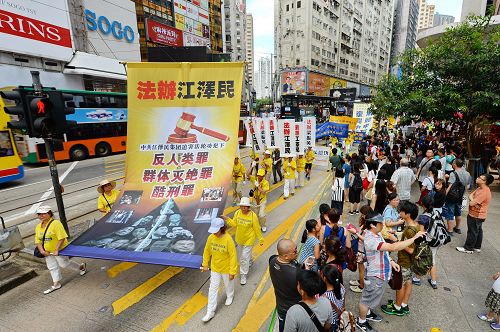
(289, 168)
(247, 231)
(254, 165)
(301, 169)
(237, 179)
(267, 164)
(50, 238)
(260, 189)
(108, 196)
(309, 162)
(220, 251)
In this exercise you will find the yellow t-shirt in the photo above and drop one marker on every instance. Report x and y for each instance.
(101, 202)
(289, 169)
(247, 228)
(267, 164)
(55, 233)
(264, 184)
(310, 156)
(301, 164)
(238, 172)
(221, 252)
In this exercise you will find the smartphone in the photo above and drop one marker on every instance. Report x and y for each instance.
(309, 262)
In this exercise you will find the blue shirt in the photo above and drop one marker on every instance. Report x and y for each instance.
(347, 170)
(391, 214)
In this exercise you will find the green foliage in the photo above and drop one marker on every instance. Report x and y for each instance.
(259, 103)
(459, 71)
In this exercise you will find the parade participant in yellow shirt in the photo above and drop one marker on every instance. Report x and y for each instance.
(301, 169)
(247, 231)
(267, 164)
(237, 179)
(289, 168)
(108, 195)
(254, 165)
(220, 252)
(309, 162)
(260, 188)
(50, 237)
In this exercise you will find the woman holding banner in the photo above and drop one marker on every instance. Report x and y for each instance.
(107, 196)
(220, 252)
(247, 231)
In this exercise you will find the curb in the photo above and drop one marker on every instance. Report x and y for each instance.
(16, 276)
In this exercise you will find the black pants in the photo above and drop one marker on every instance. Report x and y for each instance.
(474, 233)
(277, 169)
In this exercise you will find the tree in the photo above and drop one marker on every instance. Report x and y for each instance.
(458, 72)
(259, 103)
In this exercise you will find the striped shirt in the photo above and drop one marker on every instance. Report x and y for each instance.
(308, 248)
(338, 190)
(403, 178)
(378, 262)
(330, 295)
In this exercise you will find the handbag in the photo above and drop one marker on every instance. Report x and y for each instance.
(352, 263)
(396, 281)
(312, 315)
(106, 200)
(37, 252)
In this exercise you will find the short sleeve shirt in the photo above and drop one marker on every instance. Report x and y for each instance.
(297, 319)
(424, 220)
(483, 197)
(55, 233)
(378, 262)
(308, 248)
(405, 258)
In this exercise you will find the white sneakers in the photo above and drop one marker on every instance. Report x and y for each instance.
(264, 229)
(208, 317)
(243, 279)
(462, 249)
(229, 300)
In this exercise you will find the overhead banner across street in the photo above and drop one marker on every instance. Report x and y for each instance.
(182, 131)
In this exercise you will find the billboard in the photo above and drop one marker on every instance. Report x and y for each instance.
(163, 34)
(38, 28)
(192, 17)
(293, 82)
(318, 84)
(177, 176)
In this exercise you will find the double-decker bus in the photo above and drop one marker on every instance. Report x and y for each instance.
(11, 166)
(101, 128)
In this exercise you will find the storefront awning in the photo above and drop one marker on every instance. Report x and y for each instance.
(94, 65)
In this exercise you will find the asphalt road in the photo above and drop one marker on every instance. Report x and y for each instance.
(19, 199)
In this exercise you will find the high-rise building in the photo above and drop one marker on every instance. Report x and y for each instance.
(234, 25)
(324, 44)
(440, 19)
(404, 32)
(249, 49)
(425, 15)
(263, 74)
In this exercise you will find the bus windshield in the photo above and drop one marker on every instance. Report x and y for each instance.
(6, 147)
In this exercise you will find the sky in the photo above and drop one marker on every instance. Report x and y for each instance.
(263, 21)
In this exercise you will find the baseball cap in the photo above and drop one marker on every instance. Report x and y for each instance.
(43, 209)
(215, 225)
(376, 218)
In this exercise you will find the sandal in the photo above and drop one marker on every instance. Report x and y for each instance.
(84, 270)
(51, 289)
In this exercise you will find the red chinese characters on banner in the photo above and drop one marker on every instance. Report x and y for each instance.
(286, 128)
(163, 34)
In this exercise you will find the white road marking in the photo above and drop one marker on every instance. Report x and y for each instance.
(46, 195)
(24, 185)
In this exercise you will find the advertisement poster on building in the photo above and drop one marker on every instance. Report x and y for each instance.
(177, 179)
(192, 11)
(287, 133)
(205, 31)
(188, 25)
(193, 40)
(179, 22)
(337, 83)
(203, 16)
(197, 29)
(163, 34)
(180, 7)
(204, 4)
(318, 84)
(293, 82)
(37, 28)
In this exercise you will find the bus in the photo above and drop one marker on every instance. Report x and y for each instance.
(297, 106)
(101, 129)
(11, 165)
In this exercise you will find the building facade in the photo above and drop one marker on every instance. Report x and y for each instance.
(216, 31)
(404, 32)
(440, 19)
(263, 76)
(249, 49)
(425, 15)
(325, 44)
(234, 26)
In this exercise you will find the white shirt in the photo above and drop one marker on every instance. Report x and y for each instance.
(496, 286)
(428, 183)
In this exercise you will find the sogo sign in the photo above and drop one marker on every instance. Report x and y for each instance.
(106, 26)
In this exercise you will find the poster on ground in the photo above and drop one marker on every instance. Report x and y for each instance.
(182, 137)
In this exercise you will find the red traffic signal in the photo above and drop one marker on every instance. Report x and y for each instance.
(40, 107)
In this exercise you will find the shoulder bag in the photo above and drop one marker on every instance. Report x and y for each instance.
(313, 317)
(106, 200)
(37, 252)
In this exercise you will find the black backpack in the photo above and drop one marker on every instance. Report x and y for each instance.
(357, 183)
(457, 190)
(437, 233)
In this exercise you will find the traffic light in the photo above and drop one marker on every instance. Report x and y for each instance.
(18, 96)
(41, 112)
(60, 110)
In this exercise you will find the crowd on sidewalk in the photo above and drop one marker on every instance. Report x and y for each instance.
(375, 184)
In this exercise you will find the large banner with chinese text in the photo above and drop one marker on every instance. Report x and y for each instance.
(182, 138)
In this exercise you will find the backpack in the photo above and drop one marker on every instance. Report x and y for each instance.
(456, 192)
(357, 183)
(437, 233)
(422, 260)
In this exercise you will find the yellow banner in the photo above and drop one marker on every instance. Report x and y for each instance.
(352, 122)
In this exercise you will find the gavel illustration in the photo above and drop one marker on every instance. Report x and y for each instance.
(184, 124)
